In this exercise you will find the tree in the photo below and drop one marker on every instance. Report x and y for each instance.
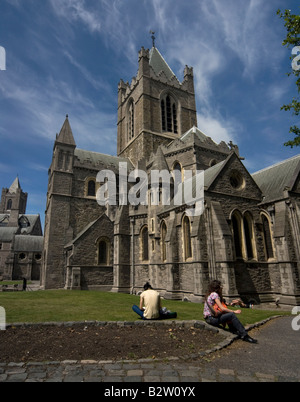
(292, 24)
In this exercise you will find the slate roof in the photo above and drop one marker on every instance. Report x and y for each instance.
(201, 139)
(158, 63)
(98, 160)
(29, 243)
(276, 179)
(7, 233)
(159, 161)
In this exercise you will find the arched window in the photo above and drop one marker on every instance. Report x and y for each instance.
(267, 237)
(163, 241)
(104, 251)
(9, 205)
(178, 168)
(243, 235)
(249, 237)
(91, 191)
(187, 240)
(144, 243)
(237, 234)
(130, 121)
(168, 114)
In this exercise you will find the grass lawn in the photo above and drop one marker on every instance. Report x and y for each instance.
(63, 305)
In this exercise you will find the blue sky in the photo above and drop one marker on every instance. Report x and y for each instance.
(68, 56)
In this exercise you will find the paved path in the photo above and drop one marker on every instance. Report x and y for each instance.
(275, 358)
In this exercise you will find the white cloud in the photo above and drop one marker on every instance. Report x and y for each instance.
(76, 10)
(212, 125)
(245, 31)
(277, 91)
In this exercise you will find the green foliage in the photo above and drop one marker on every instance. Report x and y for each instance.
(292, 24)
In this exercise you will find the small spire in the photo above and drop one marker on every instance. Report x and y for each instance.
(66, 136)
(15, 186)
(153, 38)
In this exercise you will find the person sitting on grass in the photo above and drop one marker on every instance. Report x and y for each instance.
(223, 315)
(240, 303)
(150, 304)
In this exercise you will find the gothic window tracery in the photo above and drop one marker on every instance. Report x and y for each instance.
(130, 121)
(169, 114)
(267, 235)
(249, 236)
(243, 235)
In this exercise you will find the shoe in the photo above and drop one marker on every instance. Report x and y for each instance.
(248, 338)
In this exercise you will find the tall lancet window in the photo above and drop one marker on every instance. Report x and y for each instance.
(130, 121)
(268, 243)
(168, 114)
(187, 240)
(144, 243)
(163, 241)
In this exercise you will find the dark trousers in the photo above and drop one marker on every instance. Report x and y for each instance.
(231, 318)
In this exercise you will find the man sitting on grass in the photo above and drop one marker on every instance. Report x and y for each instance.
(150, 304)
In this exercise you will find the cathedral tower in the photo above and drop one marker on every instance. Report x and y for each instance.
(155, 108)
(13, 202)
(58, 209)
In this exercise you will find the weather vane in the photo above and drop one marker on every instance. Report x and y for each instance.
(153, 38)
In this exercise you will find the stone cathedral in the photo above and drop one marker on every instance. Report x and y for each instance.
(248, 235)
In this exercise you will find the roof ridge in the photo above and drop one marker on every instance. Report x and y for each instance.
(276, 164)
(100, 153)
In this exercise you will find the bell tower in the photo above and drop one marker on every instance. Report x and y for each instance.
(155, 108)
(57, 227)
(13, 202)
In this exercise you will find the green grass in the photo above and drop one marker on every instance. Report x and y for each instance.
(60, 305)
(10, 283)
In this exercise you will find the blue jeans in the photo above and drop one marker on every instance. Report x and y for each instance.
(231, 318)
(140, 312)
(163, 315)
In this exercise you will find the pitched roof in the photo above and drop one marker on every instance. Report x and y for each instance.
(97, 159)
(86, 229)
(29, 243)
(276, 179)
(7, 233)
(203, 140)
(211, 173)
(159, 161)
(158, 63)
